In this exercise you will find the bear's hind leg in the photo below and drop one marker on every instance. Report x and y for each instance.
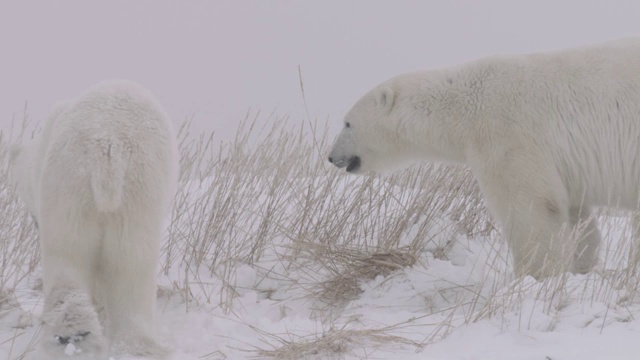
(68, 270)
(129, 289)
(586, 255)
(71, 325)
(539, 241)
(71, 322)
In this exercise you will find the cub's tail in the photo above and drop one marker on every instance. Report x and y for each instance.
(108, 173)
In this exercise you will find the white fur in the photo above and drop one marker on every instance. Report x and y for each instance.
(99, 180)
(547, 136)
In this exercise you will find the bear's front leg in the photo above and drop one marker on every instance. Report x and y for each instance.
(529, 200)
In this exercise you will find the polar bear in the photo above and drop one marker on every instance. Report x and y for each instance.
(99, 180)
(547, 137)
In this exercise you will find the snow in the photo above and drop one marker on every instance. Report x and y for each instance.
(70, 349)
(460, 304)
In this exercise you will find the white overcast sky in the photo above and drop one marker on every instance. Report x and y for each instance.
(219, 59)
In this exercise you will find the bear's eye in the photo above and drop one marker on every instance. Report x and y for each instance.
(347, 125)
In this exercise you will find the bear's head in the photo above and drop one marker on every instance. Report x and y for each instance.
(374, 136)
(411, 117)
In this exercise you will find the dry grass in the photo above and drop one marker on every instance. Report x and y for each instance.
(276, 194)
(268, 200)
(19, 249)
(335, 343)
(353, 267)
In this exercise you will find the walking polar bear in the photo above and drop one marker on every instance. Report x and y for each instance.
(98, 181)
(547, 137)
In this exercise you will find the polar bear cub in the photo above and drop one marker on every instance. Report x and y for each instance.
(546, 135)
(99, 180)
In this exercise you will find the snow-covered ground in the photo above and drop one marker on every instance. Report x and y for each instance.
(317, 265)
(457, 307)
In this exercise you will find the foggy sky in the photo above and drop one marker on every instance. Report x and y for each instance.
(216, 60)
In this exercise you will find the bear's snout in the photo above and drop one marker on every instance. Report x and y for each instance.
(352, 163)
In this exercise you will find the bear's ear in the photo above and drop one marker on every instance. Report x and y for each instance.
(385, 97)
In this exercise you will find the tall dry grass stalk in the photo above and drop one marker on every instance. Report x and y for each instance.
(272, 189)
(19, 248)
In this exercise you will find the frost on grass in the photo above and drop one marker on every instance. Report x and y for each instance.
(270, 252)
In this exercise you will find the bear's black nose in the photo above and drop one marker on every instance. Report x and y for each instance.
(330, 159)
